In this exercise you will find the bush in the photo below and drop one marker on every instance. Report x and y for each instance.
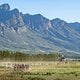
(36, 78)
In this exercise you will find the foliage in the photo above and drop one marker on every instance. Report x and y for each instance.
(19, 56)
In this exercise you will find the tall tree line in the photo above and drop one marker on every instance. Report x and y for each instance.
(19, 56)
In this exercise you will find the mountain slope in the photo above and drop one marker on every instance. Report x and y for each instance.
(36, 33)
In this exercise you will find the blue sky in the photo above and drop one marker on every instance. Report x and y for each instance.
(68, 10)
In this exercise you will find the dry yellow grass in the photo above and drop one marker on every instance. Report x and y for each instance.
(48, 70)
(47, 66)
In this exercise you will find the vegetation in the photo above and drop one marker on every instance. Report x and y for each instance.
(56, 73)
(18, 56)
(42, 67)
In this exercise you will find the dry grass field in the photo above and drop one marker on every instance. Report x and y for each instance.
(69, 70)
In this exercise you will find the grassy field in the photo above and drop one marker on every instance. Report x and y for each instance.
(69, 70)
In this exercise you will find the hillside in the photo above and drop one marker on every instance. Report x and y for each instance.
(36, 33)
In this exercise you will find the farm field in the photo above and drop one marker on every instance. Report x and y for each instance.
(39, 70)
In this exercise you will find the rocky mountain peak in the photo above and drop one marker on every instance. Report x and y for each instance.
(5, 7)
(58, 22)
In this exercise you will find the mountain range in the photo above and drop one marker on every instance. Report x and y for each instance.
(36, 33)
